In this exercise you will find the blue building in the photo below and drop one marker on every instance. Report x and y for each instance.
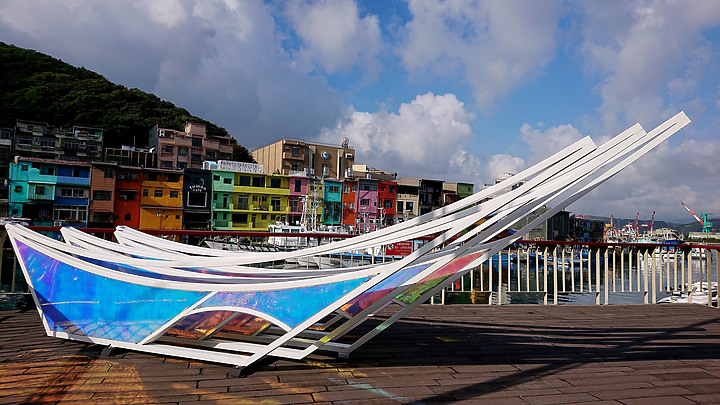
(49, 192)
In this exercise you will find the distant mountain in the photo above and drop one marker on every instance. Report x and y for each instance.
(37, 87)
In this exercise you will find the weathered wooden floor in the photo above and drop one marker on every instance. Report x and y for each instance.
(644, 354)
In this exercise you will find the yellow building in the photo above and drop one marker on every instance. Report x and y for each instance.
(161, 199)
(258, 200)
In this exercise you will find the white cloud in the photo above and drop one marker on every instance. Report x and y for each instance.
(425, 138)
(494, 45)
(644, 52)
(334, 36)
(544, 143)
(503, 163)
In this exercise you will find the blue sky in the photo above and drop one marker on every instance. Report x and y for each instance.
(454, 90)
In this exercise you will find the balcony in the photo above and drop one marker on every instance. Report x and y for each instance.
(221, 206)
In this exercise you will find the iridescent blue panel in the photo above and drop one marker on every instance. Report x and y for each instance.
(291, 306)
(78, 302)
(381, 289)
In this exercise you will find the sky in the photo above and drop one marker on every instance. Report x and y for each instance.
(449, 90)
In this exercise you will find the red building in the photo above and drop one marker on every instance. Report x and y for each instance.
(349, 194)
(127, 196)
(387, 200)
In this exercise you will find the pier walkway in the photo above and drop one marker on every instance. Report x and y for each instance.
(617, 354)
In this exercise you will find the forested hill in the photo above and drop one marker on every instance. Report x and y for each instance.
(37, 87)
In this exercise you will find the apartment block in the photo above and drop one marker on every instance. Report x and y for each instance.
(257, 199)
(128, 189)
(50, 192)
(101, 208)
(188, 148)
(287, 156)
(44, 141)
(131, 156)
(161, 202)
(408, 198)
(196, 199)
(332, 202)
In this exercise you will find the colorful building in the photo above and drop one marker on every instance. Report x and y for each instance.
(256, 200)
(366, 213)
(102, 199)
(332, 202)
(387, 199)
(128, 187)
(161, 202)
(349, 200)
(222, 194)
(196, 199)
(296, 199)
(50, 192)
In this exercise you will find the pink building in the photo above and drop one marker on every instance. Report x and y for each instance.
(366, 213)
(189, 149)
(298, 190)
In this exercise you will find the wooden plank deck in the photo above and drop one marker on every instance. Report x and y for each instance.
(619, 354)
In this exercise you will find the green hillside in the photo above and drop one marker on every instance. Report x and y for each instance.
(37, 87)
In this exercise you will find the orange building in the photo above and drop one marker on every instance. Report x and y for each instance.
(128, 182)
(161, 199)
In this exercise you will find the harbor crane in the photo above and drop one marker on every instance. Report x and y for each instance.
(706, 224)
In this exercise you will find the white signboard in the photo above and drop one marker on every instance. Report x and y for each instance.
(239, 166)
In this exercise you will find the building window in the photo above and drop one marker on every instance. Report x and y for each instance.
(145, 192)
(73, 192)
(127, 217)
(76, 172)
(409, 206)
(70, 213)
(173, 178)
(197, 142)
(152, 177)
(127, 176)
(181, 165)
(39, 190)
(173, 194)
(298, 185)
(168, 164)
(216, 177)
(240, 218)
(258, 181)
(400, 205)
(275, 183)
(244, 181)
(126, 195)
(158, 193)
(275, 203)
(388, 204)
(18, 189)
(108, 173)
(24, 168)
(102, 195)
(182, 151)
(351, 205)
(294, 204)
(242, 202)
(227, 180)
(177, 216)
(167, 149)
(365, 201)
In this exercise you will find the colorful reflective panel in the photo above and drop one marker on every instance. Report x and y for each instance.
(380, 290)
(196, 326)
(78, 302)
(437, 276)
(244, 324)
(291, 306)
